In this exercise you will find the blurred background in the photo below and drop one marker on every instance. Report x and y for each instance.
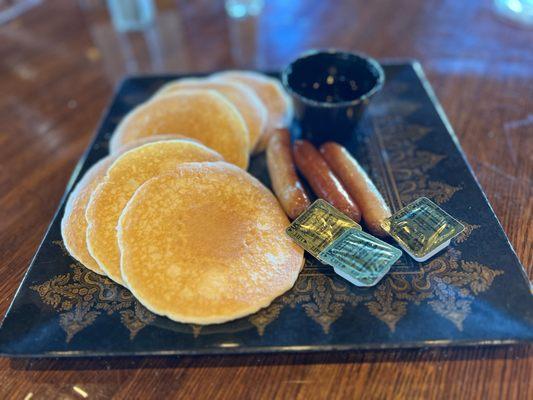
(154, 36)
(61, 59)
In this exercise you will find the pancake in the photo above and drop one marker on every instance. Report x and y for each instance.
(201, 114)
(206, 244)
(243, 98)
(148, 139)
(271, 92)
(123, 177)
(73, 223)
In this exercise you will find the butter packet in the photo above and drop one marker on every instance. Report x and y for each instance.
(319, 226)
(422, 228)
(360, 258)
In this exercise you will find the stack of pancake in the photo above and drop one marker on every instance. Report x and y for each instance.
(171, 213)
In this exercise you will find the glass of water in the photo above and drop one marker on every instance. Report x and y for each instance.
(244, 8)
(243, 29)
(131, 15)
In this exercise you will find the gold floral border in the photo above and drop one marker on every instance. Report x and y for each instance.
(447, 283)
(81, 296)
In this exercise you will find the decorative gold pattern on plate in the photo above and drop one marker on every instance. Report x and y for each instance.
(385, 306)
(323, 298)
(81, 296)
(400, 168)
(447, 283)
(406, 167)
(467, 232)
(136, 318)
(196, 329)
(265, 316)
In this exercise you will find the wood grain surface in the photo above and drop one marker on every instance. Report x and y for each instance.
(59, 63)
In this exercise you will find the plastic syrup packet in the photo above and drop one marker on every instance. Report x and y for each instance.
(360, 258)
(319, 226)
(422, 228)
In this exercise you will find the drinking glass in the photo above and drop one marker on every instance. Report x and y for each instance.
(131, 15)
(243, 29)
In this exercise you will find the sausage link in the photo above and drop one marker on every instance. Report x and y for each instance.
(358, 185)
(322, 180)
(285, 182)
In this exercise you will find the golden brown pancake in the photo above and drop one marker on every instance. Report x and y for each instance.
(123, 177)
(197, 113)
(243, 98)
(73, 223)
(148, 139)
(206, 244)
(271, 92)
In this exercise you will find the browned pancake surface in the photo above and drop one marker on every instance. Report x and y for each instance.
(206, 244)
(245, 100)
(271, 92)
(73, 223)
(123, 177)
(200, 114)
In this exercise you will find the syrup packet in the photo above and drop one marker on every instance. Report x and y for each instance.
(360, 258)
(335, 239)
(319, 226)
(422, 228)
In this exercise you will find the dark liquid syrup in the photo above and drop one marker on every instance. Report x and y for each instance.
(331, 80)
(331, 89)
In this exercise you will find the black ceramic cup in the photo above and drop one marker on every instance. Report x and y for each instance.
(330, 91)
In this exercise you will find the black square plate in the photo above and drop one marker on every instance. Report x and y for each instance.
(473, 293)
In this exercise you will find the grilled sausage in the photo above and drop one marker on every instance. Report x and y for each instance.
(285, 182)
(358, 185)
(322, 180)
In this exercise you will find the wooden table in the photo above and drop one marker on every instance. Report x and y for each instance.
(58, 66)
